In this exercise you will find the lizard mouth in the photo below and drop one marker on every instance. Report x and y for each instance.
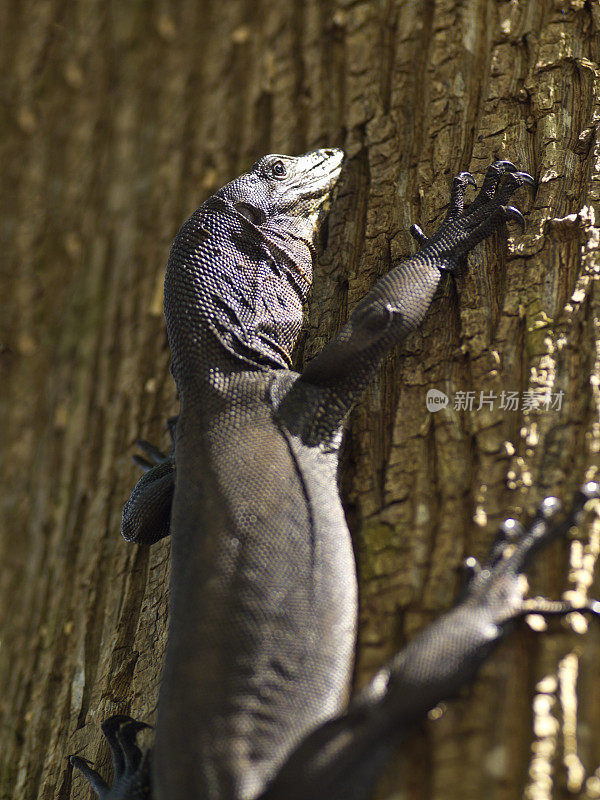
(315, 184)
(323, 174)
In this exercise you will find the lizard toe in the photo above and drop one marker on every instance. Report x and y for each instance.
(509, 532)
(95, 780)
(493, 176)
(457, 195)
(154, 455)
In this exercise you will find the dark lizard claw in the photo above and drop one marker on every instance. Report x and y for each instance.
(503, 166)
(496, 587)
(468, 178)
(493, 176)
(147, 514)
(126, 736)
(141, 462)
(155, 456)
(470, 569)
(95, 780)
(463, 228)
(509, 531)
(510, 183)
(417, 233)
(171, 428)
(510, 212)
(558, 608)
(524, 177)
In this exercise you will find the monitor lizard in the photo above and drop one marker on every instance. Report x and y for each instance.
(255, 695)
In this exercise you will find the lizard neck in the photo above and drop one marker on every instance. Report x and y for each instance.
(234, 294)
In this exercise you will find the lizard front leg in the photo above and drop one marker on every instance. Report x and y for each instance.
(147, 514)
(341, 759)
(334, 380)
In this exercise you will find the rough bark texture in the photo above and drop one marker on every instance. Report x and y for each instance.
(117, 120)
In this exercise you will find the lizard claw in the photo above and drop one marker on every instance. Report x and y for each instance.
(504, 166)
(549, 507)
(510, 212)
(494, 174)
(417, 233)
(510, 531)
(130, 766)
(558, 608)
(154, 455)
(171, 427)
(524, 178)
(94, 778)
(471, 569)
(147, 514)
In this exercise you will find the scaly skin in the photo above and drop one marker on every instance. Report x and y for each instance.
(263, 597)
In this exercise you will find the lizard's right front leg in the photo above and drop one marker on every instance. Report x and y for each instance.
(334, 380)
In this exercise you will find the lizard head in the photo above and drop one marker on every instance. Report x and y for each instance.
(287, 193)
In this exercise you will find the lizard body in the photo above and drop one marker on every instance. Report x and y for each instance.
(263, 599)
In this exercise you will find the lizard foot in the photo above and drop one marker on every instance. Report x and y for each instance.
(147, 514)
(131, 768)
(463, 228)
(445, 655)
(499, 584)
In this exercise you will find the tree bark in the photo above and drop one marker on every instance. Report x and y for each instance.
(118, 120)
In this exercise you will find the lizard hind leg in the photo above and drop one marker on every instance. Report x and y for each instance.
(340, 759)
(131, 768)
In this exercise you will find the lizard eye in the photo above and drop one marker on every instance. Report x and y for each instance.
(278, 169)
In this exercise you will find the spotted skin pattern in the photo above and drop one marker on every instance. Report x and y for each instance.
(255, 695)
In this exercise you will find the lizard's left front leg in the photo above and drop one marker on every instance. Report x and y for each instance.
(147, 514)
(334, 380)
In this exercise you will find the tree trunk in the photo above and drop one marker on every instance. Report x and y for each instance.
(120, 118)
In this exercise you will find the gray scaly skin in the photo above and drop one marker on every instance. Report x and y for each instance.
(254, 700)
